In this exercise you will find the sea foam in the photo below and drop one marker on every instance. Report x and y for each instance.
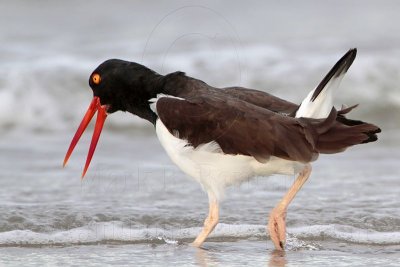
(116, 232)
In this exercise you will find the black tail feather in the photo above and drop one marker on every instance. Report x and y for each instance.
(338, 69)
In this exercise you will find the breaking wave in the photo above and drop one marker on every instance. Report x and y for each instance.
(116, 232)
(52, 93)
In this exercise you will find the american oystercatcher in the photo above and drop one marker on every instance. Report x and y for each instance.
(223, 137)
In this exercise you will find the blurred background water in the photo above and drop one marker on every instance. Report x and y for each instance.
(134, 202)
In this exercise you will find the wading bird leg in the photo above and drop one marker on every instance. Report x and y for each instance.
(276, 223)
(209, 224)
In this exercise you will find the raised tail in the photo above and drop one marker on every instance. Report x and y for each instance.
(319, 102)
(332, 131)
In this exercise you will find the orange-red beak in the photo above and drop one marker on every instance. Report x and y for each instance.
(101, 117)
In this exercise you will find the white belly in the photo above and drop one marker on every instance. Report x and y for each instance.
(214, 170)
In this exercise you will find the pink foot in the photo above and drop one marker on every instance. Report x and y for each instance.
(277, 228)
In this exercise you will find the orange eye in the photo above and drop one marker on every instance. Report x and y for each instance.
(96, 78)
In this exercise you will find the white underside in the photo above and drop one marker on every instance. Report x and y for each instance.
(213, 169)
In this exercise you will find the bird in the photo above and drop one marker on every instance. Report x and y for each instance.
(224, 136)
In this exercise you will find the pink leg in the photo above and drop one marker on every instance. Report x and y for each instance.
(209, 224)
(276, 223)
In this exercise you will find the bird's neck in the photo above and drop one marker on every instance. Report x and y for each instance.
(151, 84)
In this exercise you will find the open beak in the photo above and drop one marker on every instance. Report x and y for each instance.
(101, 117)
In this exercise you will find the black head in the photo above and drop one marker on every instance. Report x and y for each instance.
(117, 85)
(126, 86)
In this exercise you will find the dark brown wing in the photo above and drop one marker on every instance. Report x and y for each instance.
(262, 99)
(250, 122)
(238, 127)
(178, 84)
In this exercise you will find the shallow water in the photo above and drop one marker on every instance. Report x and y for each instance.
(135, 206)
(228, 253)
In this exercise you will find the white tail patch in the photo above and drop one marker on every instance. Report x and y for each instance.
(319, 102)
(322, 105)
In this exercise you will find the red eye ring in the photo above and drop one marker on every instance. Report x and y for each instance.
(96, 78)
